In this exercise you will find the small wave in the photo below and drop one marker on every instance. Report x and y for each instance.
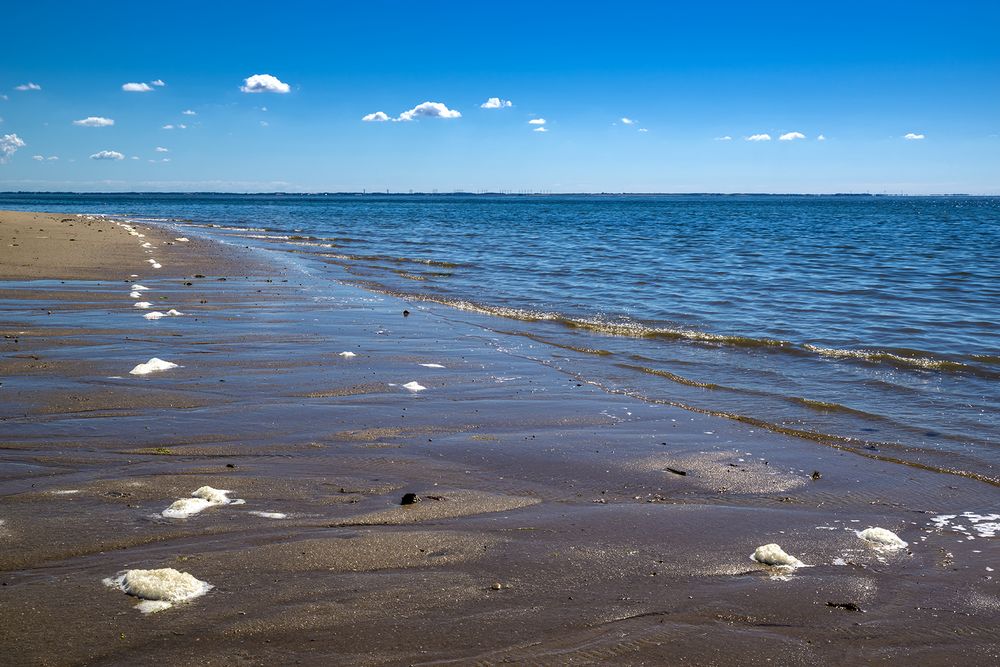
(394, 260)
(878, 356)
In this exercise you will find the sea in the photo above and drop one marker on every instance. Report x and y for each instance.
(863, 322)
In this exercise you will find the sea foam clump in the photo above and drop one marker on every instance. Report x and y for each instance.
(200, 500)
(347, 355)
(159, 589)
(880, 537)
(772, 554)
(152, 366)
(143, 304)
(414, 386)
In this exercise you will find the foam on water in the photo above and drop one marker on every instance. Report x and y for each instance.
(200, 500)
(155, 315)
(152, 366)
(135, 295)
(432, 365)
(414, 386)
(64, 492)
(142, 304)
(772, 554)
(882, 538)
(983, 525)
(347, 355)
(270, 515)
(139, 288)
(174, 313)
(159, 589)
(182, 239)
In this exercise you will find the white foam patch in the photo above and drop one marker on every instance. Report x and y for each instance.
(142, 304)
(139, 288)
(174, 313)
(155, 315)
(64, 492)
(414, 386)
(983, 525)
(159, 589)
(882, 538)
(135, 295)
(432, 365)
(270, 515)
(200, 500)
(157, 265)
(182, 239)
(147, 244)
(347, 355)
(152, 366)
(772, 554)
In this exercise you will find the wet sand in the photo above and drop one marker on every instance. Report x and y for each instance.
(558, 523)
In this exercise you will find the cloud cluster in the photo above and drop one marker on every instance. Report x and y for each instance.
(42, 158)
(264, 83)
(627, 121)
(178, 126)
(424, 110)
(759, 137)
(913, 136)
(94, 121)
(137, 87)
(791, 136)
(107, 155)
(496, 103)
(28, 86)
(9, 144)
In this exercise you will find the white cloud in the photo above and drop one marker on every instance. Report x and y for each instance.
(429, 110)
(536, 121)
(541, 129)
(107, 155)
(263, 123)
(52, 157)
(4, 98)
(38, 157)
(28, 86)
(42, 158)
(9, 143)
(496, 103)
(912, 136)
(759, 137)
(642, 129)
(134, 157)
(158, 83)
(188, 112)
(821, 137)
(377, 117)
(136, 87)
(264, 83)
(161, 149)
(724, 138)
(179, 126)
(94, 121)
(628, 121)
(791, 136)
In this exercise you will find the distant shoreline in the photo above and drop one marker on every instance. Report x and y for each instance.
(497, 194)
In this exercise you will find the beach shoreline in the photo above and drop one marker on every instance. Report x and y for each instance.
(559, 523)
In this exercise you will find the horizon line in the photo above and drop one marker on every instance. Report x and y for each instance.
(488, 193)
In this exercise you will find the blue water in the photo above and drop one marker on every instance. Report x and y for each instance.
(864, 318)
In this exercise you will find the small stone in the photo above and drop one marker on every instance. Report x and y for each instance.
(409, 499)
(816, 474)
(406, 313)
(497, 586)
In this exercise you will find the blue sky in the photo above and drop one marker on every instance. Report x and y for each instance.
(863, 75)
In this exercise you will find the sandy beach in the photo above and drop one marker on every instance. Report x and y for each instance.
(555, 522)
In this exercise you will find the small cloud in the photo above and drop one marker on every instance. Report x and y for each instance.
(188, 112)
(28, 86)
(107, 155)
(168, 126)
(642, 129)
(791, 136)
(264, 83)
(42, 158)
(912, 136)
(9, 144)
(178, 126)
(158, 83)
(263, 109)
(52, 158)
(166, 159)
(541, 129)
(377, 117)
(759, 137)
(38, 157)
(94, 121)
(724, 138)
(136, 87)
(536, 121)
(628, 121)
(264, 123)
(134, 157)
(161, 149)
(496, 103)
(4, 98)
(429, 110)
